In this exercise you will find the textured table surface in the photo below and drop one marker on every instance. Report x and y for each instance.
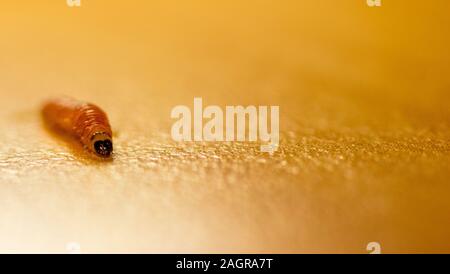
(364, 110)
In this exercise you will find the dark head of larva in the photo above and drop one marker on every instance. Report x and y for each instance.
(101, 144)
(103, 148)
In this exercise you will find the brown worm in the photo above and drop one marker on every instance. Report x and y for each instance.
(84, 121)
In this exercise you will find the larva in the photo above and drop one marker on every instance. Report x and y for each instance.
(84, 121)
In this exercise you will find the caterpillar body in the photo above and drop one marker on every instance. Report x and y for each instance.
(84, 121)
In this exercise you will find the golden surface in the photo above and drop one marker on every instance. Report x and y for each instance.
(364, 109)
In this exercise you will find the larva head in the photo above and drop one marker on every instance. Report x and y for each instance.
(102, 145)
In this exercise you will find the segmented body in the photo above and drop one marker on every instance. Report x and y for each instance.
(84, 121)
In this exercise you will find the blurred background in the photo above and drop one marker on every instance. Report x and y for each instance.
(365, 136)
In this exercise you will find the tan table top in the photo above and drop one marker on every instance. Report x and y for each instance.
(364, 109)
